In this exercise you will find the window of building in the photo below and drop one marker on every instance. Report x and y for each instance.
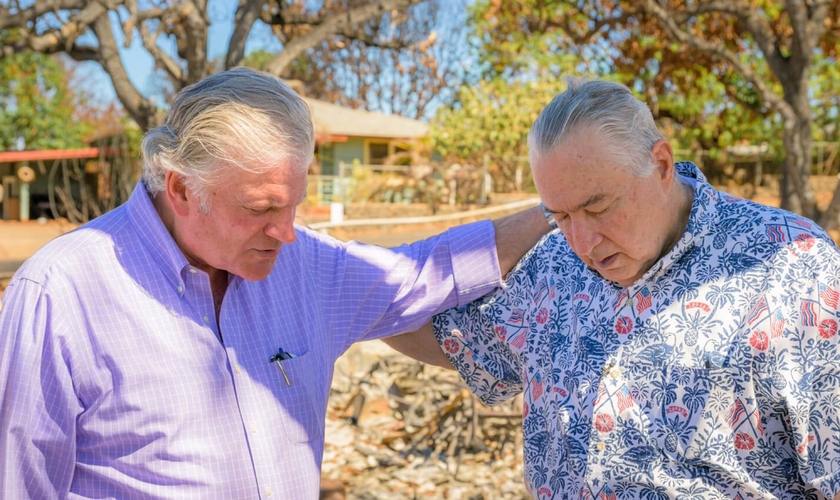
(377, 152)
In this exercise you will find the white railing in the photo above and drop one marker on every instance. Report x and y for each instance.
(324, 189)
(469, 214)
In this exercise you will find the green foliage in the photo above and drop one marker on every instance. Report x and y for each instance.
(134, 138)
(258, 59)
(519, 38)
(36, 104)
(491, 124)
(699, 101)
(825, 91)
(702, 116)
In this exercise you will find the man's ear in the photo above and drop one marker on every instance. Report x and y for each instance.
(663, 159)
(177, 194)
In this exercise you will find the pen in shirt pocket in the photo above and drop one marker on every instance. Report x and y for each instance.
(278, 359)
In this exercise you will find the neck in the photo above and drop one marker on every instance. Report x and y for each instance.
(683, 201)
(218, 277)
(164, 211)
(218, 285)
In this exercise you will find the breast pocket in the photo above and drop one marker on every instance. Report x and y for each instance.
(696, 410)
(302, 398)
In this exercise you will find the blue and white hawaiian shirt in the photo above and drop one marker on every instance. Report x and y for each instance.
(715, 376)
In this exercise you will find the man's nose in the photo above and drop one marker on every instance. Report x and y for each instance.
(282, 229)
(585, 236)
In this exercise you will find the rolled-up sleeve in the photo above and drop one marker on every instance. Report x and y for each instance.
(474, 341)
(475, 262)
(485, 339)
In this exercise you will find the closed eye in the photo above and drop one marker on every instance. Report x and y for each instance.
(259, 210)
(600, 210)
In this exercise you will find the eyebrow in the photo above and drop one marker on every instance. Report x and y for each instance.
(595, 198)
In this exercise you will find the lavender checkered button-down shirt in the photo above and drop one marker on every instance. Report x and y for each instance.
(114, 383)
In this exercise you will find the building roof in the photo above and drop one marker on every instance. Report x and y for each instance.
(49, 154)
(337, 121)
(331, 122)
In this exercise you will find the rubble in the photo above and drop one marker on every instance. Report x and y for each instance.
(397, 429)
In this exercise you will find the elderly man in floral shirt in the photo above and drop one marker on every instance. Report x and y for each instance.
(671, 341)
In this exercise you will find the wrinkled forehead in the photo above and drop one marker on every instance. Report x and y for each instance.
(285, 173)
(578, 172)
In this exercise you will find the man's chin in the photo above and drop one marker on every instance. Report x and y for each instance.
(621, 277)
(256, 273)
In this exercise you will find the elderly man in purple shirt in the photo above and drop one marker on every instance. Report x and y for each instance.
(182, 345)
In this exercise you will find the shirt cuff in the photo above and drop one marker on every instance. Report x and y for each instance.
(475, 262)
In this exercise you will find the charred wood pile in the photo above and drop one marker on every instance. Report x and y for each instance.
(398, 429)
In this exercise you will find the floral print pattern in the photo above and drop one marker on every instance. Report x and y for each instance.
(715, 376)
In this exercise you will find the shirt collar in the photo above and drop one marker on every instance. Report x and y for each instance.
(156, 238)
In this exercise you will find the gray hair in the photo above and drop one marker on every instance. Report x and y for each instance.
(604, 108)
(240, 118)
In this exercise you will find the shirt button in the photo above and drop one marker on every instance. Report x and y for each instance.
(238, 370)
(180, 289)
(206, 318)
(614, 373)
(268, 492)
(253, 430)
(193, 270)
(600, 446)
(629, 303)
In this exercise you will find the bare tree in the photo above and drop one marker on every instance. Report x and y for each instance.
(416, 63)
(423, 69)
(53, 26)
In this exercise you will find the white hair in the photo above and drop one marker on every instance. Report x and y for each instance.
(240, 118)
(604, 108)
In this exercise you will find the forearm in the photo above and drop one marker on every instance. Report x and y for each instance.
(420, 345)
(518, 233)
